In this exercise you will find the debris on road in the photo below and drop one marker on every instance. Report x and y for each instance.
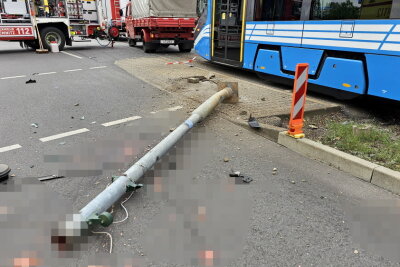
(76, 105)
(235, 174)
(356, 251)
(274, 171)
(312, 126)
(293, 182)
(62, 143)
(82, 118)
(30, 81)
(35, 125)
(263, 99)
(247, 179)
(4, 171)
(226, 159)
(52, 177)
(193, 80)
(253, 123)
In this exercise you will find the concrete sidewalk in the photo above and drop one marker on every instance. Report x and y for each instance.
(258, 99)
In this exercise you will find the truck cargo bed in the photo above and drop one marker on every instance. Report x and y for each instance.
(165, 22)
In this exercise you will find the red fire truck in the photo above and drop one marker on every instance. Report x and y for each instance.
(154, 23)
(61, 21)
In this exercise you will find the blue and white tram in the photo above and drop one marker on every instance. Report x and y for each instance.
(352, 46)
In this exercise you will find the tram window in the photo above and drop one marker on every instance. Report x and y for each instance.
(266, 10)
(350, 9)
(201, 7)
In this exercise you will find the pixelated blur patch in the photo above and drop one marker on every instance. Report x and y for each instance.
(28, 212)
(375, 227)
(205, 221)
(116, 152)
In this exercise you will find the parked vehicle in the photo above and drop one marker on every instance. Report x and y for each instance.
(353, 47)
(60, 21)
(154, 23)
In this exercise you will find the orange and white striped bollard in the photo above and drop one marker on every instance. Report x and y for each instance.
(299, 100)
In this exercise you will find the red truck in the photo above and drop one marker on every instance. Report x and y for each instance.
(154, 23)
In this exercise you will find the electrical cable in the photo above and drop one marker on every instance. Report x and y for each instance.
(126, 211)
(109, 235)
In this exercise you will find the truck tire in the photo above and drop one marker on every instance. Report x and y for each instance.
(149, 47)
(131, 42)
(50, 34)
(184, 48)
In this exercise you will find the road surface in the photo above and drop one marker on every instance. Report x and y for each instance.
(87, 119)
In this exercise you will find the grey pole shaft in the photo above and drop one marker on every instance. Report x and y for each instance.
(117, 189)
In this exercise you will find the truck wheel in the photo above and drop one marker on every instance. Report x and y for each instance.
(131, 42)
(52, 34)
(185, 48)
(149, 47)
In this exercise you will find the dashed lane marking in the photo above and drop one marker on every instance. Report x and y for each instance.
(73, 70)
(13, 77)
(47, 73)
(100, 67)
(62, 135)
(168, 109)
(112, 123)
(72, 55)
(9, 148)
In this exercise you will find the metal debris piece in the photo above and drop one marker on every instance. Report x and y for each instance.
(226, 159)
(35, 125)
(247, 179)
(76, 105)
(82, 118)
(235, 174)
(52, 177)
(253, 123)
(312, 126)
(30, 81)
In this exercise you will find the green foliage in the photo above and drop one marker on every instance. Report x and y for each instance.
(374, 145)
(335, 10)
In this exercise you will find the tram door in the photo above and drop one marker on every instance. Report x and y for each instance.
(228, 31)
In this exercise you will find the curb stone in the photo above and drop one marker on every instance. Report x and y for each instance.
(387, 179)
(267, 131)
(348, 163)
(370, 172)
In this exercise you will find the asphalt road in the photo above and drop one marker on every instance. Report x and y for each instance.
(190, 213)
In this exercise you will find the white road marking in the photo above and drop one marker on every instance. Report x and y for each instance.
(168, 109)
(72, 55)
(101, 67)
(73, 70)
(13, 77)
(112, 123)
(62, 135)
(9, 148)
(47, 73)
(175, 108)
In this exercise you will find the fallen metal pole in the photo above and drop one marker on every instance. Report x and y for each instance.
(118, 188)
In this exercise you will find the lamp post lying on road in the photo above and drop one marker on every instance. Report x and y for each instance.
(95, 212)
